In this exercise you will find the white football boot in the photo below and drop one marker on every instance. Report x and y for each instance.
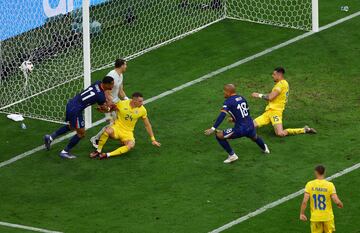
(266, 151)
(231, 158)
(94, 142)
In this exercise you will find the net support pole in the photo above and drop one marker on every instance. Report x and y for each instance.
(86, 52)
(315, 15)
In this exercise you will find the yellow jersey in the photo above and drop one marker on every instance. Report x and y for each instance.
(278, 104)
(320, 192)
(126, 116)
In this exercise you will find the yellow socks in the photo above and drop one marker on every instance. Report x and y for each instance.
(295, 131)
(119, 151)
(103, 138)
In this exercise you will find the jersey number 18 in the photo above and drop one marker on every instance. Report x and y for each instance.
(319, 202)
(243, 109)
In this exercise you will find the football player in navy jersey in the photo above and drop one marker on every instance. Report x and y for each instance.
(238, 109)
(94, 94)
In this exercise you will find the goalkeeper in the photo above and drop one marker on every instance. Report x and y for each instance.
(128, 112)
(115, 95)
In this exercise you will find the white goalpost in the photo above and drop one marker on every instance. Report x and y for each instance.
(67, 40)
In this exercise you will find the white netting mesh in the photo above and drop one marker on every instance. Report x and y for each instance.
(49, 34)
(285, 13)
(128, 28)
(119, 28)
(54, 49)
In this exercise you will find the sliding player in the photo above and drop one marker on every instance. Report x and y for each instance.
(237, 107)
(320, 192)
(74, 114)
(277, 99)
(117, 93)
(128, 112)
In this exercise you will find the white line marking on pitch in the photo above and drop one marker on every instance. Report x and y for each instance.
(278, 202)
(166, 93)
(202, 78)
(27, 227)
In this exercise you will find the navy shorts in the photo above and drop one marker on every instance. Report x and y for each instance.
(244, 131)
(74, 117)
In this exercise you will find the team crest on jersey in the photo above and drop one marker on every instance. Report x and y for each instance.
(136, 111)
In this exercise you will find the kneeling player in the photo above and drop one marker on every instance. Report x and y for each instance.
(128, 112)
(237, 107)
(277, 100)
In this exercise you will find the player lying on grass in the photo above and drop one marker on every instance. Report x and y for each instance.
(116, 94)
(128, 112)
(320, 192)
(277, 100)
(74, 114)
(238, 109)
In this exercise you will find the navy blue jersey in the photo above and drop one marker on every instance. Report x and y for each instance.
(91, 95)
(238, 109)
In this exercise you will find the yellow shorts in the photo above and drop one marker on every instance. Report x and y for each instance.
(275, 117)
(123, 135)
(322, 227)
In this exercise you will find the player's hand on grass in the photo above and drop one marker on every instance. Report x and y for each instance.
(303, 217)
(156, 143)
(209, 131)
(255, 95)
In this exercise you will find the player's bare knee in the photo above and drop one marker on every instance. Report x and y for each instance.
(130, 145)
(219, 135)
(109, 130)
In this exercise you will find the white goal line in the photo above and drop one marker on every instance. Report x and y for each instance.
(6, 224)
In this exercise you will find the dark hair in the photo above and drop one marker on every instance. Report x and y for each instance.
(107, 80)
(136, 94)
(119, 62)
(320, 169)
(280, 70)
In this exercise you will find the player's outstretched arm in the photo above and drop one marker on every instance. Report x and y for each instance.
(272, 95)
(150, 132)
(122, 94)
(303, 207)
(337, 201)
(219, 120)
(106, 108)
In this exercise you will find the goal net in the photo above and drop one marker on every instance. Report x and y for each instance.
(49, 34)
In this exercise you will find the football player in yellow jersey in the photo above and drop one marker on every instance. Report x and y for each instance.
(128, 112)
(277, 99)
(320, 192)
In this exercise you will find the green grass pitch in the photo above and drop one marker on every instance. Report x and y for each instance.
(184, 186)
